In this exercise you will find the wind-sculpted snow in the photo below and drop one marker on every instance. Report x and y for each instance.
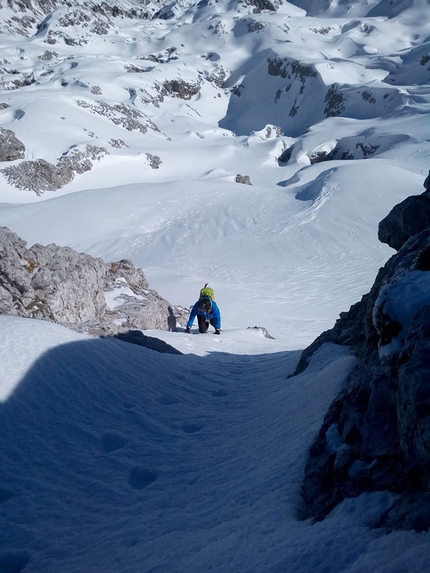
(351, 8)
(296, 96)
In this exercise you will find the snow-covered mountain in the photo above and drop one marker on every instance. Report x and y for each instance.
(253, 145)
(137, 124)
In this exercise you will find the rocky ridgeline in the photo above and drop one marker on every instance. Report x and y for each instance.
(76, 290)
(376, 434)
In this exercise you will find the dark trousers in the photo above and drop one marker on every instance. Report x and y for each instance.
(204, 323)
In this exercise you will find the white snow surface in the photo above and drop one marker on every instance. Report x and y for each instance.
(116, 458)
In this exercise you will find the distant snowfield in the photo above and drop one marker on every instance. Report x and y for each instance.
(275, 261)
(116, 458)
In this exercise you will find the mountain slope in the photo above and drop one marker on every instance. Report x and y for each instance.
(141, 126)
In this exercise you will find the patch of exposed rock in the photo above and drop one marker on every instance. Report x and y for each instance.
(153, 160)
(40, 175)
(120, 114)
(95, 18)
(260, 5)
(11, 148)
(263, 330)
(179, 89)
(244, 179)
(376, 434)
(76, 290)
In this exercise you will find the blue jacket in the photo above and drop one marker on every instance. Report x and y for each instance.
(206, 315)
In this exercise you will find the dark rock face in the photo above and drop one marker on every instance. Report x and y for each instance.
(79, 291)
(406, 219)
(376, 434)
(426, 183)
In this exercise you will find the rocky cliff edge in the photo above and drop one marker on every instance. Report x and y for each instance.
(79, 291)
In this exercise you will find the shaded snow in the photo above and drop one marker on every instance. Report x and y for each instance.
(117, 458)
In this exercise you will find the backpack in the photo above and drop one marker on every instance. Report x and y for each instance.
(208, 292)
(207, 295)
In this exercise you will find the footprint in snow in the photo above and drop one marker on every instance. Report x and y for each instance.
(112, 442)
(192, 428)
(219, 393)
(6, 494)
(167, 400)
(140, 477)
(13, 561)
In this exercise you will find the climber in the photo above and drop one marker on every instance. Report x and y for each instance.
(207, 312)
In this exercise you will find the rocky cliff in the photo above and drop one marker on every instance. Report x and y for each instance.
(376, 434)
(79, 291)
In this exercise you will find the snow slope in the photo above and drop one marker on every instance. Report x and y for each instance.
(116, 458)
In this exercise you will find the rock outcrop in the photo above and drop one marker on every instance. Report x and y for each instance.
(40, 175)
(405, 220)
(11, 148)
(244, 179)
(79, 291)
(376, 434)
